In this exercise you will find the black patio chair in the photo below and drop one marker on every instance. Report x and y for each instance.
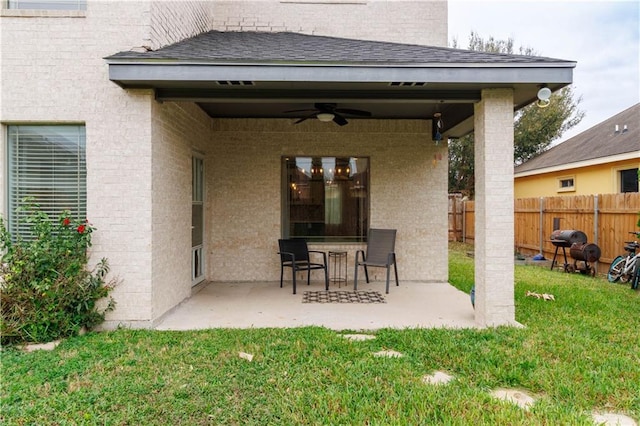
(294, 254)
(380, 253)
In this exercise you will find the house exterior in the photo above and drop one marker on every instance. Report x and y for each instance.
(167, 124)
(601, 160)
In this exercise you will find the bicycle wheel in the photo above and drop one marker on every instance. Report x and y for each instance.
(635, 282)
(615, 270)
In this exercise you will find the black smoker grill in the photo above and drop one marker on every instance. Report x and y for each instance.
(579, 249)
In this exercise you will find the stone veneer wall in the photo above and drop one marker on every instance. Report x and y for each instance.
(243, 169)
(411, 21)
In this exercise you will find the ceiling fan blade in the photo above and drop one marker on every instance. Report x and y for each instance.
(306, 118)
(353, 112)
(298, 110)
(339, 120)
(325, 107)
(329, 108)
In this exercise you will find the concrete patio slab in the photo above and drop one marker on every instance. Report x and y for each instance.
(265, 304)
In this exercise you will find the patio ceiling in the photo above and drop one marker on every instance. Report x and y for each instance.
(263, 75)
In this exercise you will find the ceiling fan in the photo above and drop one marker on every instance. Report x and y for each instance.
(329, 112)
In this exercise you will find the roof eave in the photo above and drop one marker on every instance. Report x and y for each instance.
(634, 155)
(373, 63)
(145, 73)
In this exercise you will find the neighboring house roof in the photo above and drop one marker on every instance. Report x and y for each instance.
(615, 138)
(265, 74)
(293, 47)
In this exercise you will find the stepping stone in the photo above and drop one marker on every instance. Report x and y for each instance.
(244, 355)
(358, 337)
(437, 378)
(388, 354)
(518, 397)
(42, 346)
(613, 419)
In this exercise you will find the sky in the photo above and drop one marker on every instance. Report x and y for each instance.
(603, 37)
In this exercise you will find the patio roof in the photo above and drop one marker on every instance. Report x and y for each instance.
(262, 74)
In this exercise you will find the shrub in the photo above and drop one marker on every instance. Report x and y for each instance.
(46, 290)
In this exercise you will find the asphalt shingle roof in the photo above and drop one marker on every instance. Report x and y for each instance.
(287, 47)
(597, 142)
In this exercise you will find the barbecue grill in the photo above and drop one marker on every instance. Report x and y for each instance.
(567, 237)
(579, 249)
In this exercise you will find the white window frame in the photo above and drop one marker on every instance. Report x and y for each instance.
(45, 4)
(571, 188)
(198, 267)
(47, 163)
(617, 178)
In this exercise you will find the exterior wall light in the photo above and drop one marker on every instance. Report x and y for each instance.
(543, 97)
(436, 128)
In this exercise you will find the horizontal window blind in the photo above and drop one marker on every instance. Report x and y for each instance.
(48, 4)
(47, 166)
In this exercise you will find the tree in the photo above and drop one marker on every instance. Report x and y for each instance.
(535, 129)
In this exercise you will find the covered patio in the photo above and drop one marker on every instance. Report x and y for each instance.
(247, 102)
(263, 304)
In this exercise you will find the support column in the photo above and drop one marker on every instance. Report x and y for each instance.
(494, 227)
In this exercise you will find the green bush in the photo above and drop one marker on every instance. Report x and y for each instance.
(46, 290)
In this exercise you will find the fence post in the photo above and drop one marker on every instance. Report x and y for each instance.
(464, 221)
(595, 218)
(595, 226)
(541, 223)
(454, 216)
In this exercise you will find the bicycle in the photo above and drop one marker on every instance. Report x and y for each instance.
(627, 268)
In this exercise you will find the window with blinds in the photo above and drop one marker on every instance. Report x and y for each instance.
(47, 4)
(47, 167)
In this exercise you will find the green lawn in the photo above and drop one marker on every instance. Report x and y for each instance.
(578, 354)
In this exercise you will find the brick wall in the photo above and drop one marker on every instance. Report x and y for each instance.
(53, 71)
(494, 225)
(173, 21)
(243, 167)
(179, 130)
(411, 21)
(139, 152)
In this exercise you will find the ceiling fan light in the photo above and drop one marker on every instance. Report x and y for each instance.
(325, 117)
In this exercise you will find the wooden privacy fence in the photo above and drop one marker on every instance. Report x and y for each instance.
(606, 219)
(456, 216)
